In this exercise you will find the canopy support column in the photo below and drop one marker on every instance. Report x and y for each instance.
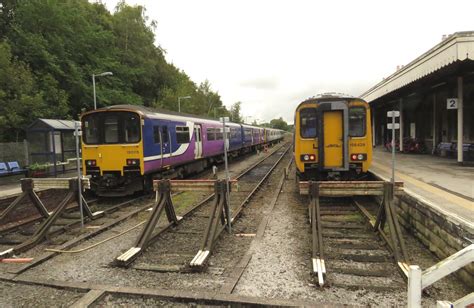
(401, 124)
(460, 120)
(434, 124)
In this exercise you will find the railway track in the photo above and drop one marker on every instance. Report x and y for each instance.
(18, 232)
(355, 257)
(34, 218)
(27, 216)
(65, 234)
(178, 246)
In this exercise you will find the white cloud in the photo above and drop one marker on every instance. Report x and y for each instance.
(271, 55)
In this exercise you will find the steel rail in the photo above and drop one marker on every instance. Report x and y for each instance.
(403, 267)
(73, 243)
(34, 219)
(153, 238)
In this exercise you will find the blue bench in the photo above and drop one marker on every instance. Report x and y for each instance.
(11, 168)
(3, 169)
(451, 149)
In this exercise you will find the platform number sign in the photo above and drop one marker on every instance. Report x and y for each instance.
(452, 103)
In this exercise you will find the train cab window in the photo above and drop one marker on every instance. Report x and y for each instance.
(357, 117)
(91, 129)
(211, 134)
(111, 129)
(164, 134)
(308, 123)
(182, 134)
(131, 128)
(156, 134)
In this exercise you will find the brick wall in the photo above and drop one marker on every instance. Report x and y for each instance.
(440, 234)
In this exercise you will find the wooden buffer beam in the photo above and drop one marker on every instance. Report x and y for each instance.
(28, 187)
(163, 201)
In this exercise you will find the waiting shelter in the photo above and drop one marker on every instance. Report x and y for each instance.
(435, 96)
(52, 145)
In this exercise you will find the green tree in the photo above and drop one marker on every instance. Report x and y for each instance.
(50, 49)
(24, 98)
(279, 124)
(235, 112)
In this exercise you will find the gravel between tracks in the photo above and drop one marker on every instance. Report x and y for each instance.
(138, 301)
(94, 266)
(13, 295)
(281, 264)
(279, 268)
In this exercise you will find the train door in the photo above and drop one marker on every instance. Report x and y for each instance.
(226, 137)
(166, 142)
(197, 141)
(333, 139)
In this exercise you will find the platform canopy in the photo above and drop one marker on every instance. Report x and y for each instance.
(454, 48)
(53, 124)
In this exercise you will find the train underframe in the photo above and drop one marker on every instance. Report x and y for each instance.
(314, 173)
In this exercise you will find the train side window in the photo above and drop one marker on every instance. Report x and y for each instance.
(111, 129)
(156, 134)
(211, 134)
(308, 123)
(164, 134)
(132, 128)
(182, 134)
(234, 133)
(248, 133)
(219, 134)
(357, 118)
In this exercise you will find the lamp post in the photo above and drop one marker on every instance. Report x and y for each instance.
(179, 101)
(93, 84)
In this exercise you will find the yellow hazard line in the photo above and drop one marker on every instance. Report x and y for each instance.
(436, 191)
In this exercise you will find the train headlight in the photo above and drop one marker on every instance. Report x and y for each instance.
(133, 162)
(308, 157)
(358, 157)
(91, 163)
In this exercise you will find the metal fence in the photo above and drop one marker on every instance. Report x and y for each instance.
(14, 151)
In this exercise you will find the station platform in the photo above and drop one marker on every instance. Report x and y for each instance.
(11, 186)
(447, 186)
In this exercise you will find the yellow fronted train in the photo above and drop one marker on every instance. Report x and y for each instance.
(333, 138)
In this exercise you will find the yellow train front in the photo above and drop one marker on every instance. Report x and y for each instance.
(333, 138)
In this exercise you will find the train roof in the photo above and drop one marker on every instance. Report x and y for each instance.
(329, 97)
(149, 112)
(153, 112)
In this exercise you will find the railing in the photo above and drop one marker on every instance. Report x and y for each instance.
(418, 280)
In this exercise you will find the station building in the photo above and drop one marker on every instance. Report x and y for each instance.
(435, 96)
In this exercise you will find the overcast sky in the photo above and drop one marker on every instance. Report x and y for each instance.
(271, 55)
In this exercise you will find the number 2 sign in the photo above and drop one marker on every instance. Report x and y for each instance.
(452, 103)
